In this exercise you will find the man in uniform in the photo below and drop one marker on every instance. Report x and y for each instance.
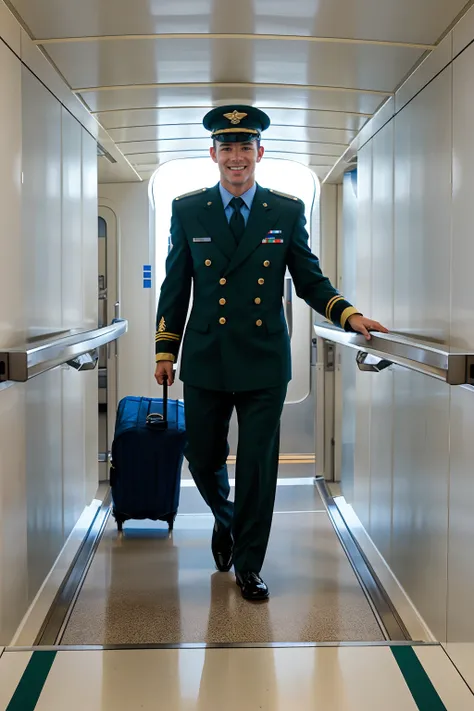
(234, 242)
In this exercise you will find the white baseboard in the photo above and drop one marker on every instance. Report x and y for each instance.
(33, 620)
(416, 626)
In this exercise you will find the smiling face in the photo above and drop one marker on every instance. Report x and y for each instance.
(237, 162)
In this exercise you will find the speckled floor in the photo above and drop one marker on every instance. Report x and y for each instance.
(147, 588)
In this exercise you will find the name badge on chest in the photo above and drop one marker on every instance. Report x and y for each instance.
(202, 239)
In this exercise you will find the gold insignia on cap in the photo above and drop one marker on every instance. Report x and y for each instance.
(235, 117)
(162, 325)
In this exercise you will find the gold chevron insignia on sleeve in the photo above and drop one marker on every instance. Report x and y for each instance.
(162, 325)
(194, 192)
(289, 197)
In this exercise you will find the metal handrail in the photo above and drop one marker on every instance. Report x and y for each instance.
(453, 366)
(25, 362)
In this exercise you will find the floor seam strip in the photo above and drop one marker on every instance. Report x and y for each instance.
(469, 686)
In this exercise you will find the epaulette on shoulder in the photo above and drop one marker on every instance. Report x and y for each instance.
(289, 197)
(194, 192)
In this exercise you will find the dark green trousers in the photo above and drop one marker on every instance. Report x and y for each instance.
(208, 414)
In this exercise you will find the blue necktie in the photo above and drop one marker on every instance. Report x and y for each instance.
(237, 222)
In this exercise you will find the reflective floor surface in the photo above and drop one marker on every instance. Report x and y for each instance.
(359, 678)
(149, 588)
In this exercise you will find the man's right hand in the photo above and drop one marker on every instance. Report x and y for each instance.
(164, 367)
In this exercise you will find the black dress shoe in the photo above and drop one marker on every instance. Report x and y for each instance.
(222, 548)
(252, 586)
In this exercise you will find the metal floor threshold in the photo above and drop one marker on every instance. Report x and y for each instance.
(214, 645)
(61, 609)
(387, 617)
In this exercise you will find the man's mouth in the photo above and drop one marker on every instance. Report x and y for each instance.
(237, 167)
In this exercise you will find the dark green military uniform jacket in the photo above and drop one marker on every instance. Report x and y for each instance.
(236, 338)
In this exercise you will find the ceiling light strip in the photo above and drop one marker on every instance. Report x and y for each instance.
(229, 85)
(206, 154)
(274, 125)
(206, 108)
(267, 138)
(236, 36)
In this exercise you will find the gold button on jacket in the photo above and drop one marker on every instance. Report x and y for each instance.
(222, 320)
(222, 302)
(222, 281)
(266, 263)
(208, 262)
(259, 322)
(261, 281)
(258, 300)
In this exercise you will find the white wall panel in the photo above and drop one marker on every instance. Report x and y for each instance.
(71, 220)
(90, 305)
(348, 286)
(90, 230)
(462, 312)
(13, 570)
(420, 486)
(11, 267)
(41, 205)
(382, 310)
(13, 539)
(73, 390)
(461, 521)
(42, 448)
(363, 380)
(41, 232)
(422, 212)
(421, 306)
(43, 475)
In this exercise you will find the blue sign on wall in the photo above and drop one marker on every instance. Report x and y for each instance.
(147, 276)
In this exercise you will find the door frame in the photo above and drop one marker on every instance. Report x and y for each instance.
(113, 294)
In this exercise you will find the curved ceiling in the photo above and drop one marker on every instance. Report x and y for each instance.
(149, 69)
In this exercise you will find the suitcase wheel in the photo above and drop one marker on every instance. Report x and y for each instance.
(170, 521)
(119, 520)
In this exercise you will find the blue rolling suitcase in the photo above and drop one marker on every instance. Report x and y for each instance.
(147, 455)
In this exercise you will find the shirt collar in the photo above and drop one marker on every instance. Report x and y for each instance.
(247, 197)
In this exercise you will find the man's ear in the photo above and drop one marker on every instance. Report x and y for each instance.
(213, 153)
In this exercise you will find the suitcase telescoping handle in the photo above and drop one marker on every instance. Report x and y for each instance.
(165, 397)
(156, 420)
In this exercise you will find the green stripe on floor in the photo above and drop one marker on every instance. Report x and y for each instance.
(31, 683)
(425, 695)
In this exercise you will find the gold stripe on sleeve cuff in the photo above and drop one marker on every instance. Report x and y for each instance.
(331, 305)
(165, 356)
(347, 313)
(167, 336)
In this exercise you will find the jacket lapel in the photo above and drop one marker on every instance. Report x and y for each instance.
(263, 216)
(212, 217)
